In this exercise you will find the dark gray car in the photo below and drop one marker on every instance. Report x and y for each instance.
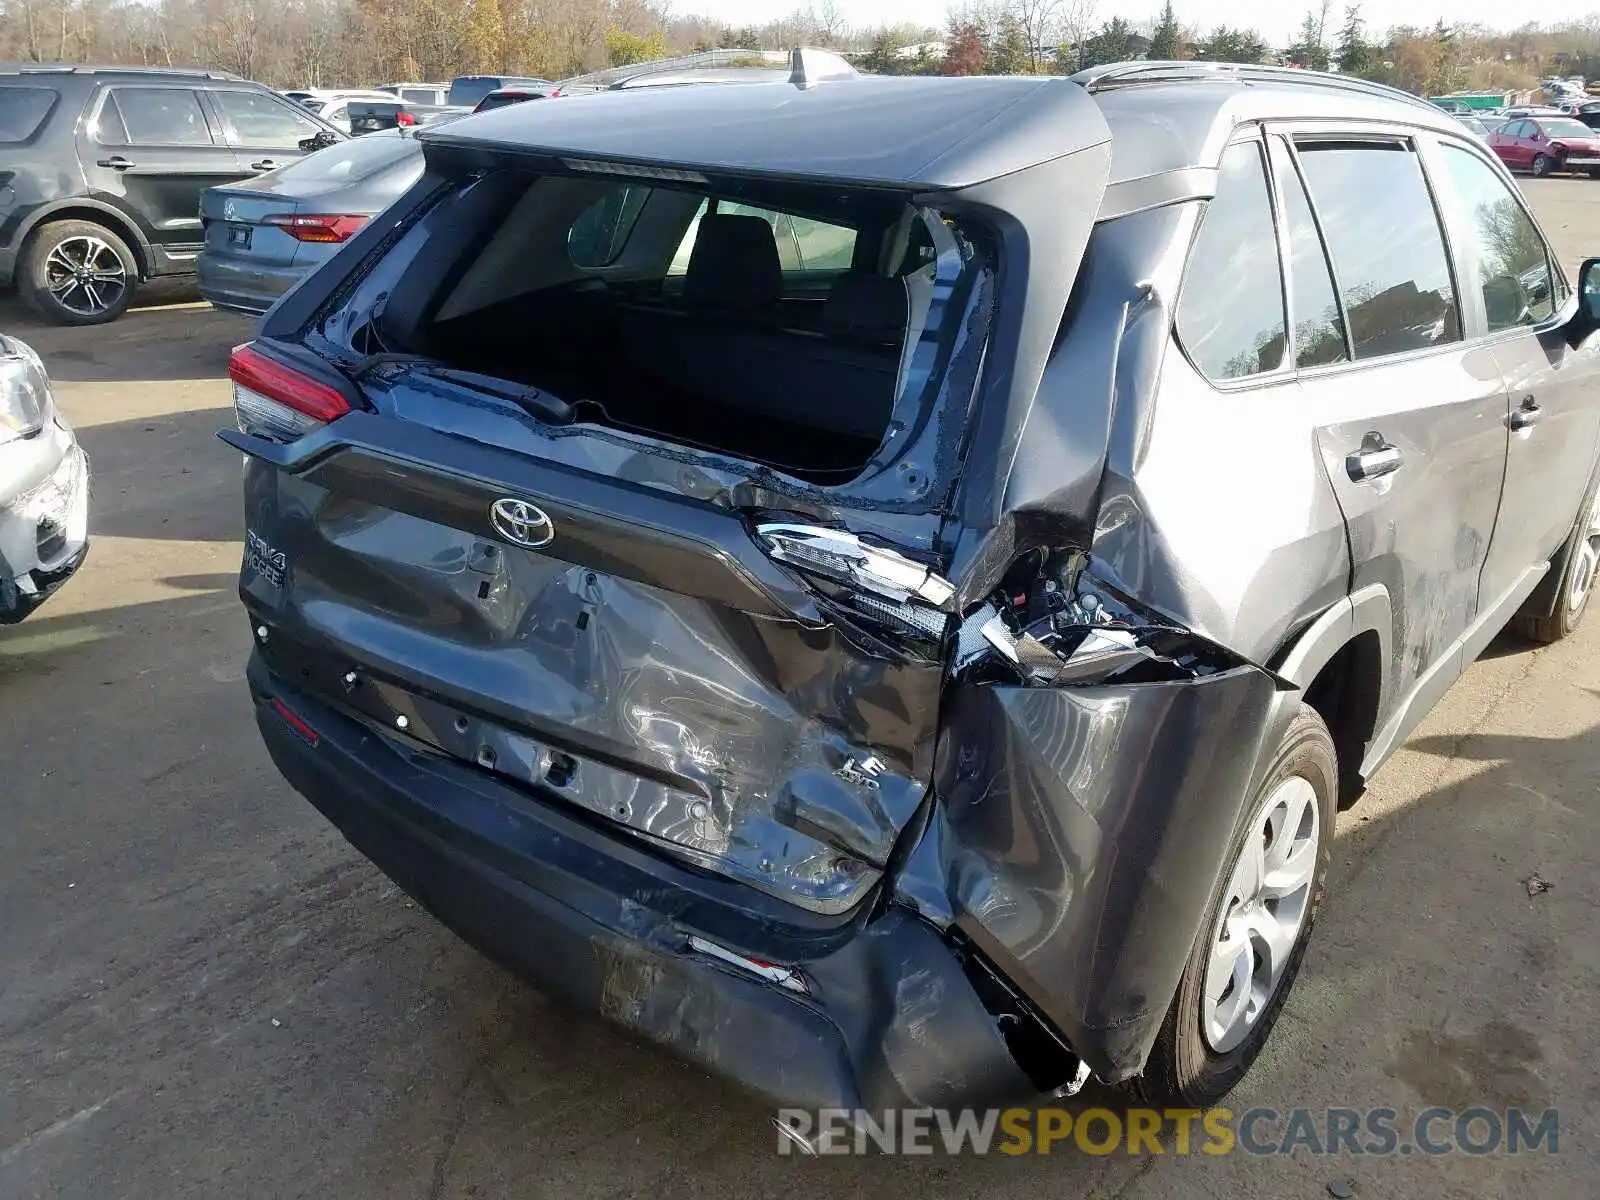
(880, 586)
(262, 236)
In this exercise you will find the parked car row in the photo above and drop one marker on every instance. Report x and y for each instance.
(103, 171)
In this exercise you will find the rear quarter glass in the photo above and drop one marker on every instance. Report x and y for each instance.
(23, 112)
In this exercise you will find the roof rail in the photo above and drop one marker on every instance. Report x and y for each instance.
(66, 68)
(1099, 79)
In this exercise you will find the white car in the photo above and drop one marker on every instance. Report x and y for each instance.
(334, 106)
(435, 95)
(44, 487)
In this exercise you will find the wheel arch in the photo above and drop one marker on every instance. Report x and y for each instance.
(1340, 665)
(83, 209)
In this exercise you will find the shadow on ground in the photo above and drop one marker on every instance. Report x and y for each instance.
(167, 341)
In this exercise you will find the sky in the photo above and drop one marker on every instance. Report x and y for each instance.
(1277, 20)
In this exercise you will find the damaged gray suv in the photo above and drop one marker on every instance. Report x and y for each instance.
(880, 586)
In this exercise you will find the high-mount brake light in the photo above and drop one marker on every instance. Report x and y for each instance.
(277, 402)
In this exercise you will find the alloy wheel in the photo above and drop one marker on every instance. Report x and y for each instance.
(85, 275)
(1263, 911)
(1588, 559)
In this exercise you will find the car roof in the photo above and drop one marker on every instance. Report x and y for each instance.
(941, 132)
(907, 131)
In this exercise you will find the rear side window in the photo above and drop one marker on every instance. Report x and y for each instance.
(419, 95)
(22, 112)
(260, 121)
(1230, 316)
(154, 117)
(1388, 251)
(1318, 325)
(1509, 258)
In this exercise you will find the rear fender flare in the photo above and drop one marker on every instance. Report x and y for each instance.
(1366, 610)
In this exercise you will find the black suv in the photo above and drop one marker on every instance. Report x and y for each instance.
(103, 169)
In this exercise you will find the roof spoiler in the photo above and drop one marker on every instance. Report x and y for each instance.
(809, 67)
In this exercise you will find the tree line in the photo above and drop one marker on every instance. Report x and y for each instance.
(329, 43)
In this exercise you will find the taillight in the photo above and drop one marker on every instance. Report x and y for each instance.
(277, 402)
(403, 119)
(318, 227)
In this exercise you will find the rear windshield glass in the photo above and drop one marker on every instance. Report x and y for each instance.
(787, 325)
(471, 90)
(22, 111)
(351, 161)
(502, 101)
(1567, 129)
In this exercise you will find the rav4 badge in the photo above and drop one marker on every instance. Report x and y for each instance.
(521, 523)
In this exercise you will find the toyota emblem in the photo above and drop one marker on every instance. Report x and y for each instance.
(521, 523)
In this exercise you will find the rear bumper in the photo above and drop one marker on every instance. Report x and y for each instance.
(240, 286)
(890, 1019)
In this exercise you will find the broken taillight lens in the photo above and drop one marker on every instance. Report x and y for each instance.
(274, 401)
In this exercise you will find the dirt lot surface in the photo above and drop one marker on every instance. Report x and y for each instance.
(204, 992)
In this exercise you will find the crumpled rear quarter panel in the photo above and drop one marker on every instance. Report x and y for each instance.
(1078, 837)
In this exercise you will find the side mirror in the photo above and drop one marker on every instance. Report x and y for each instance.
(1587, 319)
(1589, 289)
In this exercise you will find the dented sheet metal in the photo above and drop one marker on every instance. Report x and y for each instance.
(1077, 837)
(788, 753)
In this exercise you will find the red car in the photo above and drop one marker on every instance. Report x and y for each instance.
(1545, 145)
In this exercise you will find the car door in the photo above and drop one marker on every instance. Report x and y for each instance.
(154, 149)
(1411, 419)
(1554, 422)
(265, 131)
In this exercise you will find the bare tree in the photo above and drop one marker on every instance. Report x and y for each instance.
(1077, 23)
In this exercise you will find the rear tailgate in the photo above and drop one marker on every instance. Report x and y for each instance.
(649, 663)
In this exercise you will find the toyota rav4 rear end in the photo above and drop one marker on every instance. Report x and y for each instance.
(631, 580)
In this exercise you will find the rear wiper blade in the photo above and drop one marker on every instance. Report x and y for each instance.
(535, 402)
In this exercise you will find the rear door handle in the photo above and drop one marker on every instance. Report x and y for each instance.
(116, 162)
(266, 164)
(1526, 416)
(1375, 459)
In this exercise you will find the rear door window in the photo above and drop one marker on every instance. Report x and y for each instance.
(1387, 248)
(1314, 305)
(22, 112)
(1505, 252)
(1231, 314)
(257, 121)
(154, 117)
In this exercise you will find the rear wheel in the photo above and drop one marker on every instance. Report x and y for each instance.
(1543, 165)
(77, 273)
(1251, 943)
(1577, 563)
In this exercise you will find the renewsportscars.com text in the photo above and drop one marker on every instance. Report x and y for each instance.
(1261, 1132)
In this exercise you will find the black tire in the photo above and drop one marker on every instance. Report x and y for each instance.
(1183, 1070)
(1543, 166)
(1594, 172)
(1572, 595)
(90, 295)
